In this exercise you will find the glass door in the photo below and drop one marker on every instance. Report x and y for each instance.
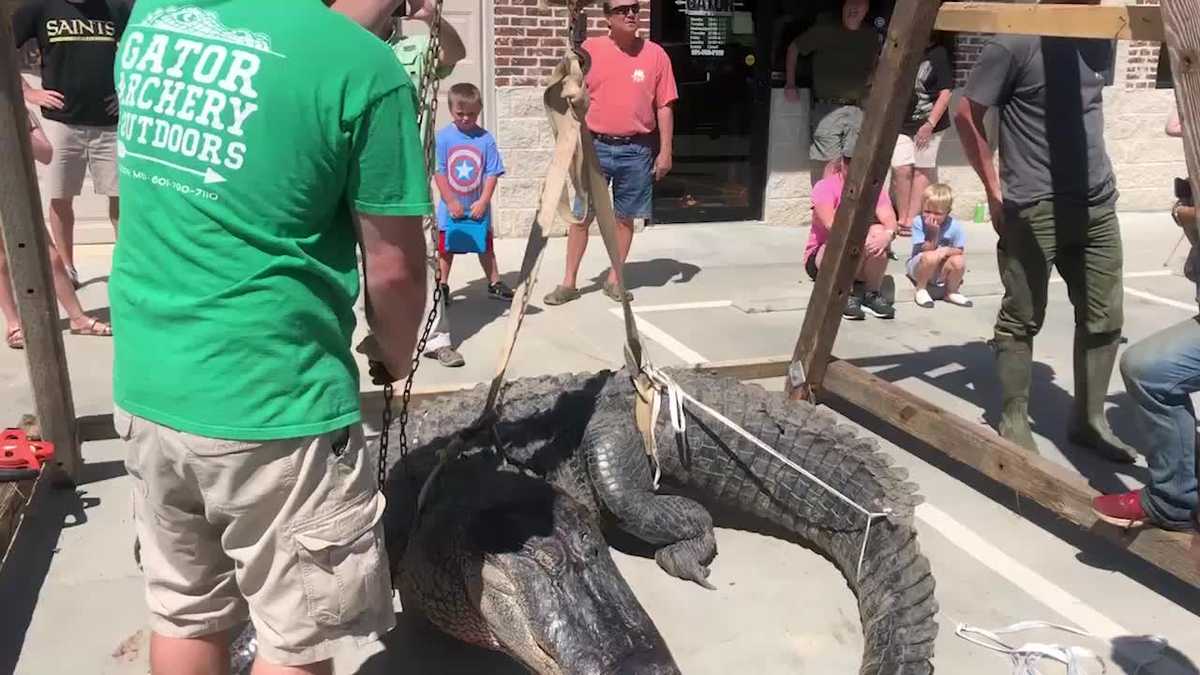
(721, 56)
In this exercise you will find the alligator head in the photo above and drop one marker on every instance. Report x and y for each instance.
(551, 595)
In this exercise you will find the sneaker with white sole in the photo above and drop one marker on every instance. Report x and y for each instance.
(923, 298)
(959, 299)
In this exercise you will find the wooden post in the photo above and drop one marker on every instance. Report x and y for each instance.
(25, 242)
(891, 90)
(1182, 26)
(1120, 22)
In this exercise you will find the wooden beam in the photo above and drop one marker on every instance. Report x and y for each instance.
(1086, 21)
(1049, 484)
(891, 90)
(1183, 47)
(25, 242)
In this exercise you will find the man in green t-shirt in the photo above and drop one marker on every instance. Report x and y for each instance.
(844, 51)
(260, 142)
(411, 50)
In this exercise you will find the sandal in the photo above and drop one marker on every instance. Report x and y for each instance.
(96, 328)
(15, 338)
(611, 291)
(561, 295)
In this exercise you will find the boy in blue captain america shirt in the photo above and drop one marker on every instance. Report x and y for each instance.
(468, 166)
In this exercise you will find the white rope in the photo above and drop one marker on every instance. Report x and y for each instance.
(675, 398)
(1025, 658)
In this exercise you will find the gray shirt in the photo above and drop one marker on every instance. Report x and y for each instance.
(1050, 94)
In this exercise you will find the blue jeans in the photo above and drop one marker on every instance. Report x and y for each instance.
(629, 168)
(1160, 373)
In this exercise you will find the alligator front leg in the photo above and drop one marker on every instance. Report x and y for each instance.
(620, 474)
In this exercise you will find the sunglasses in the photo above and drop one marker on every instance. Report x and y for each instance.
(626, 10)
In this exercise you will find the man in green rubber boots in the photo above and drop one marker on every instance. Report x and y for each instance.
(1053, 205)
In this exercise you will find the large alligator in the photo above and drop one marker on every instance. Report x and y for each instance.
(508, 551)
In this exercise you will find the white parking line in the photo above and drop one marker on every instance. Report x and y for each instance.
(1045, 591)
(664, 338)
(706, 304)
(1040, 588)
(1186, 306)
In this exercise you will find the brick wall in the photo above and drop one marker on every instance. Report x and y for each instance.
(1141, 62)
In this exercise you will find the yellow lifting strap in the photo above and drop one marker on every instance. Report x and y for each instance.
(574, 159)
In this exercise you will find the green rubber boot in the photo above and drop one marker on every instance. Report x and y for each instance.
(1094, 358)
(1014, 369)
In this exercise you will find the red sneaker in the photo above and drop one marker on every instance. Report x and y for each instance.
(1123, 509)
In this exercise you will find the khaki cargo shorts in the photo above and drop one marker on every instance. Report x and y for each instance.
(79, 148)
(286, 533)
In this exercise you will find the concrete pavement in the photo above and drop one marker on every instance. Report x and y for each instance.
(705, 292)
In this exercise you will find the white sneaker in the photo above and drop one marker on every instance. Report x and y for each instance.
(959, 299)
(923, 299)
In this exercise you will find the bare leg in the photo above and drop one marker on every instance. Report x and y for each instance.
(62, 228)
(624, 243)
(953, 271)
(114, 212)
(208, 655)
(488, 262)
(64, 289)
(445, 260)
(263, 668)
(927, 266)
(921, 179)
(577, 241)
(8, 303)
(872, 268)
(902, 187)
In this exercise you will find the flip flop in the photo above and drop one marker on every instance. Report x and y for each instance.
(96, 328)
(15, 339)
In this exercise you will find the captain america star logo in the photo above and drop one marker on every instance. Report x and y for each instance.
(464, 168)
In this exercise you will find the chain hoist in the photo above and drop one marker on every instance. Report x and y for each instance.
(426, 115)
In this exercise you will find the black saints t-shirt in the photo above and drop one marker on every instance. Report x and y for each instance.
(933, 76)
(78, 41)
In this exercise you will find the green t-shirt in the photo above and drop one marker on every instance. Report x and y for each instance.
(842, 60)
(249, 130)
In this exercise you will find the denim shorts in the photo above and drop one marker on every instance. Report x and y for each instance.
(629, 168)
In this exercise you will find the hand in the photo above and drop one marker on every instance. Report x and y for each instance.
(455, 208)
(921, 138)
(662, 165)
(380, 372)
(45, 98)
(112, 105)
(996, 209)
(791, 94)
(478, 209)
(878, 240)
(422, 10)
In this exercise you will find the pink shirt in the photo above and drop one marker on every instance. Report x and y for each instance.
(627, 91)
(829, 191)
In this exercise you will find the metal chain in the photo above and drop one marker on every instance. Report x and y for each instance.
(426, 117)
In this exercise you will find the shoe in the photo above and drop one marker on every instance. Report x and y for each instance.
(447, 356)
(853, 310)
(500, 291)
(959, 299)
(611, 291)
(1014, 369)
(1123, 509)
(561, 295)
(446, 293)
(878, 305)
(923, 298)
(1094, 357)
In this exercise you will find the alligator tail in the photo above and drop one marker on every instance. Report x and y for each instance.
(729, 474)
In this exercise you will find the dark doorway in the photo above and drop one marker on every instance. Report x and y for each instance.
(720, 50)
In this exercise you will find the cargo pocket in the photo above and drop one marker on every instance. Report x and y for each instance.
(341, 562)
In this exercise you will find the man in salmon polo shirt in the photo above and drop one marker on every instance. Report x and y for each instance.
(632, 88)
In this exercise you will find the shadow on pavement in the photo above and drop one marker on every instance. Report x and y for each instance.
(415, 646)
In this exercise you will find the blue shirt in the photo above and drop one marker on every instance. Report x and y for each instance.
(466, 160)
(952, 234)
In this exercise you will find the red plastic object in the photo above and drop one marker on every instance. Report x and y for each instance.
(19, 454)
